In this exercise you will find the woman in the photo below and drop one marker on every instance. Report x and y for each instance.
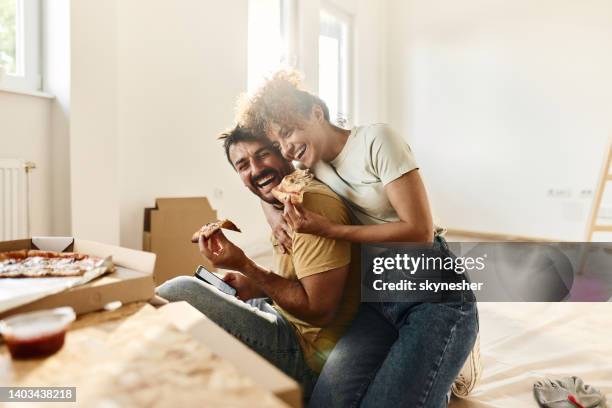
(395, 353)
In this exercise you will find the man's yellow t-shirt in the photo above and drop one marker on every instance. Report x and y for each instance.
(312, 254)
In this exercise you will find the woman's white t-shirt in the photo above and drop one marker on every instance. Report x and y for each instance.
(372, 157)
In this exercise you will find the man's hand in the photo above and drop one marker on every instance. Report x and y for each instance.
(245, 287)
(222, 253)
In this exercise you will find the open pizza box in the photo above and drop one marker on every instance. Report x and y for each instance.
(129, 280)
(187, 319)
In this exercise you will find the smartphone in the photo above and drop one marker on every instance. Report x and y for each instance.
(206, 276)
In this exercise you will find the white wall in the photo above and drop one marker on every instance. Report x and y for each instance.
(93, 120)
(24, 134)
(149, 94)
(180, 71)
(501, 101)
(370, 59)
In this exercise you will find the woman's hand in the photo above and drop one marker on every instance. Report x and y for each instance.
(280, 228)
(305, 221)
(222, 253)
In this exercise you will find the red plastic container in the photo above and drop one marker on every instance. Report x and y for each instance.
(36, 334)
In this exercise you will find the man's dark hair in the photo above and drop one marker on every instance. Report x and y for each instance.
(243, 134)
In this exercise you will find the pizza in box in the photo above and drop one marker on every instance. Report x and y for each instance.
(32, 263)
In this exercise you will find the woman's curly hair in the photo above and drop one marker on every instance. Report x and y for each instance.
(281, 100)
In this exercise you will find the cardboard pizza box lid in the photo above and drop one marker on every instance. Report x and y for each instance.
(168, 228)
(131, 281)
(188, 319)
(57, 244)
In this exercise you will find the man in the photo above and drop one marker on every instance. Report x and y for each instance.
(314, 289)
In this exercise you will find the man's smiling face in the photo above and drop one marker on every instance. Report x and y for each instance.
(260, 166)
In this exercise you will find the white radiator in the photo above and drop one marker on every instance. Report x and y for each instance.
(14, 199)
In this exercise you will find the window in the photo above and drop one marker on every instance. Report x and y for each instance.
(334, 63)
(270, 38)
(19, 44)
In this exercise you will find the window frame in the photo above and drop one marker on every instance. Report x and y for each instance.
(346, 73)
(289, 28)
(28, 49)
(288, 40)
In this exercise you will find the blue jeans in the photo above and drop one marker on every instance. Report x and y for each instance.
(255, 323)
(399, 354)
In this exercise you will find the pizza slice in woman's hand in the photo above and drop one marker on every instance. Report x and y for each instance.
(292, 187)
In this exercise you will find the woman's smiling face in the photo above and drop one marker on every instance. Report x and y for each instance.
(302, 143)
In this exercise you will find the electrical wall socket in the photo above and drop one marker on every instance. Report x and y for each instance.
(559, 193)
(585, 193)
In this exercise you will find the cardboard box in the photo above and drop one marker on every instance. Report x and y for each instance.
(190, 320)
(134, 357)
(168, 228)
(132, 280)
